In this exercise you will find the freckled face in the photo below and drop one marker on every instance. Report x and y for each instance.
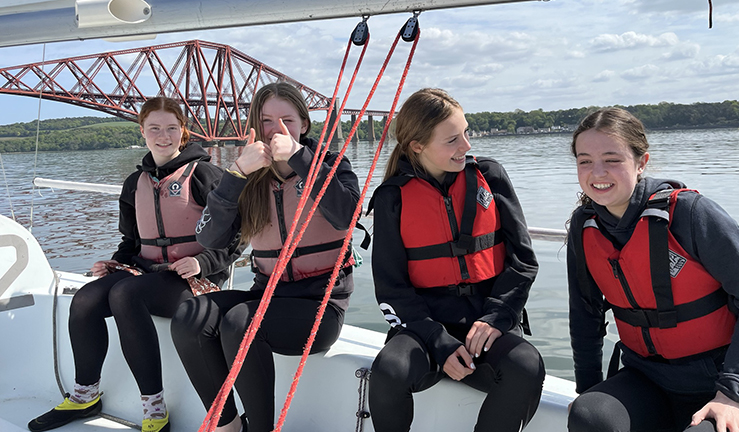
(607, 169)
(447, 148)
(163, 134)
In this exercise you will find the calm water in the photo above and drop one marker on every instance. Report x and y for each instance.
(76, 229)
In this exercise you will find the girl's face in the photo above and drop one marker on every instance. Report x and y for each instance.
(607, 169)
(163, 134)
(276, 108)
(446, 150)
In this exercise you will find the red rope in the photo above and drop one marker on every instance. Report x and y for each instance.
(355, 217)
(211, 420)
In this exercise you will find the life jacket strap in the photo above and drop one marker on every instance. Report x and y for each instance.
(652, 318)
(465, 246)
(168, 241)
(300, 251)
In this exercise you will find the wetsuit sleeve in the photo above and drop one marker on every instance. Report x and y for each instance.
(511, 288)
(221, 219)
(398, 301)
(342, 194)
(587, 319)
(130, 244)
(213, 260)
(712, 237)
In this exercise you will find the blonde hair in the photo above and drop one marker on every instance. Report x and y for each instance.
(169, 105)
(254, 201)
(416, 121)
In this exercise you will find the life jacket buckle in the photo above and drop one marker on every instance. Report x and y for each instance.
(463, 290)
(667, 319)
(162, 242)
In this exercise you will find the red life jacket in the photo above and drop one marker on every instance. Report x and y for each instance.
(454, 239)
(317, 251)
(166, 216)
(664, 302)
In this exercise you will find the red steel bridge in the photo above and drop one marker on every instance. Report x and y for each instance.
(214, 82)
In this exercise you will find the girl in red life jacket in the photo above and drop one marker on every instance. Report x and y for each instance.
(160, 205)
(258, 197)
(663, 258)
(452, 263)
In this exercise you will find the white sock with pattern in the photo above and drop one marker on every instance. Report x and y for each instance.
(83, 394)
(154, 406)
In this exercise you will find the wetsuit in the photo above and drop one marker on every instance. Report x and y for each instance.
(429, 324)
(131, 300)
(207, 330)
(651, 393)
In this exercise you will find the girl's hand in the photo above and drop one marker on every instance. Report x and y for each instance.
(723, 410)
(256, 155)
(186, 267)
(481, 337)
(455, 368)
(100, 268)
(283, 144)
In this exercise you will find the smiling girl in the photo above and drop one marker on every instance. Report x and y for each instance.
(258, 197)
(452, 263)
(663, 258)
(160, 205)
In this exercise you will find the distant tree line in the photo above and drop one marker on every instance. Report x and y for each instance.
(661, 116)
(93, 133)
(81, 133)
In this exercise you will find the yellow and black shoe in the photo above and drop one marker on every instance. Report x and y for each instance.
(64, 413)
(155, 425)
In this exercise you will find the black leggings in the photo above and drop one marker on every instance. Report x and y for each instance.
(208, 329)
(631, 402)
(511, 373)
(131, 300)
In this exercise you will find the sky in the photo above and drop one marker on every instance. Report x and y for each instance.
(548, 55)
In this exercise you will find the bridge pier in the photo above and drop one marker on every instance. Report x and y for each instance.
(370, 129)
(339, 134)
(355, 138)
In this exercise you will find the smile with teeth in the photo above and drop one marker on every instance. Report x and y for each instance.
(458, 158)
(602, 186)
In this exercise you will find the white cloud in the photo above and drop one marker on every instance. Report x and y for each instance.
(640, 73)
(631, 40)
(604, 76)
(575, 54)
(683, 51)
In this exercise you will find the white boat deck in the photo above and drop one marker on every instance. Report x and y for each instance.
(326, 400)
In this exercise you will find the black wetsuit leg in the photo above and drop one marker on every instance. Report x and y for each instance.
(131, 300)
(207, 332)
(631, 402)
(197, 337)
(511, 373)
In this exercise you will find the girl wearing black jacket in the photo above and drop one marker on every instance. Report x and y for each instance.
(158, 240)
(257, 197)
(452, 263)
(664, 260)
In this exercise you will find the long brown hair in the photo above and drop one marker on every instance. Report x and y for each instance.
(169, 105)
(254, 201)
(416, 121)
(618, 123)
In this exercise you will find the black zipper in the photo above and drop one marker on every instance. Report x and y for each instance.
(280, 206)
(160, 222)
(618, 273)
(455, 235)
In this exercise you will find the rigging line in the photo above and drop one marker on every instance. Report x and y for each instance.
(7, 188)
(355, 218)
(38, 128)
(214, 413)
